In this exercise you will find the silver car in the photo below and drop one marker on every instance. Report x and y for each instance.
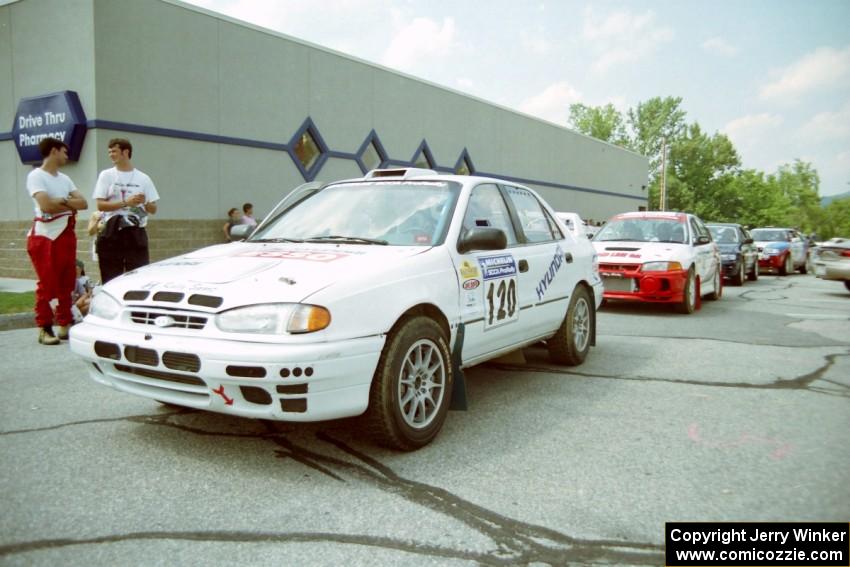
(831, 260)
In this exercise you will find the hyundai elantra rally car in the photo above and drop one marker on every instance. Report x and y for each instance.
(366, 296)
(660, 257)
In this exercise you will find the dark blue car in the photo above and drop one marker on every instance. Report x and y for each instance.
(738, 254)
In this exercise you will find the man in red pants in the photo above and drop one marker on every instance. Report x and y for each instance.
(51, 242)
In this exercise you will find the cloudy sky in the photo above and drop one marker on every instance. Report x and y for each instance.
(774, 75)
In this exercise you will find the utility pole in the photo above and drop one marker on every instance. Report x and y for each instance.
(662, 194)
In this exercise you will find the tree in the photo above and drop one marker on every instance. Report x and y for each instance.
(651, 122)
(604, 123)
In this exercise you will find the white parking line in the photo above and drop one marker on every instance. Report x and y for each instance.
(817, 316)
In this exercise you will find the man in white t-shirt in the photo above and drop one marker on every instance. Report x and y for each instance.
(126, 196)
(51, 242)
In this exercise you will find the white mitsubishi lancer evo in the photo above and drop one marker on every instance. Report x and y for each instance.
(366, 296)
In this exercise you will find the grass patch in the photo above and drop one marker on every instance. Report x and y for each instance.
(16, 302)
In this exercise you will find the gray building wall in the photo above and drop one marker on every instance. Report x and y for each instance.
(169, 76)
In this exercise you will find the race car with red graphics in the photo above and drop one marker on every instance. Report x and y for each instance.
(659, 257)
(360, 297)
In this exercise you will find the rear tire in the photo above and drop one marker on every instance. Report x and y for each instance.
(571, 343)
(412, 387)
(689, 299)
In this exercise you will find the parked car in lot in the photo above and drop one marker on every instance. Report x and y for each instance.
(574, 223)
(361, 296)
(831, 260)
(781, 249)
(738, 253)
(661, 257)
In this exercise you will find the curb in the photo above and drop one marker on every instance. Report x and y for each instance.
(16, 321)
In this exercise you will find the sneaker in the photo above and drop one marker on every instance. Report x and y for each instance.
(62, 333)
(46, 336)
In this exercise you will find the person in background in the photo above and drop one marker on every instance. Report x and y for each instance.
(234, 217)
(129, 194)
(81, 296)
(51, 242)
(248, 215)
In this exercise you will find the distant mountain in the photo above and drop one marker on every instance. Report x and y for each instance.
(824, 201)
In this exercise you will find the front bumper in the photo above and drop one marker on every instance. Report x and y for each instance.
(730, 268)
(305, 382)
(826, 270)
(771, 262)
(626, 282)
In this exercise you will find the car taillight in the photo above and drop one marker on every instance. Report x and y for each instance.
(845, 253)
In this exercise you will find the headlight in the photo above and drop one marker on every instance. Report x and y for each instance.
(104, 305)
(661, 266)
(728, 256)
(274, 319)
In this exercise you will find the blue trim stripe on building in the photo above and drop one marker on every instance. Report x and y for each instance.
(309, 126)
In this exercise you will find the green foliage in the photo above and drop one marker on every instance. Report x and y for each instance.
(704, 174)
(601, 122)
(16, 302)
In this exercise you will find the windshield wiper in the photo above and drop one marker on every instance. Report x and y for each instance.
(277, 240)
(340, 238)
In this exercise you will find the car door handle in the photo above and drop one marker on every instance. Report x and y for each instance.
(523, 266)
(568, 257)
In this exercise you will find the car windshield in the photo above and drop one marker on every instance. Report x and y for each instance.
(724, 234)
(768, 235)
(396, 213)
(643, 230)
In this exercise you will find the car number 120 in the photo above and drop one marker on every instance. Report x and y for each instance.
(501, 302)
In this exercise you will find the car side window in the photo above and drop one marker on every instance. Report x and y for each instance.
(536, 224)
(694, 231)
(487, 209)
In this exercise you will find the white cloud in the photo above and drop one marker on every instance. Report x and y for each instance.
(756, 137)
(622, 37)
(828, 126)
(553, 103)
(823, 68)
(719, 46)
(420, 39)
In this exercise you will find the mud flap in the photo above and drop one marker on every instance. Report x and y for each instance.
(459, 402)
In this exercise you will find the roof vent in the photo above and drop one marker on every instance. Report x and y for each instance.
(404, 173)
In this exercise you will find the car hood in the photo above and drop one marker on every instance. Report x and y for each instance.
(627, 252)
(243, 273)
(729, 248)
(772, 244)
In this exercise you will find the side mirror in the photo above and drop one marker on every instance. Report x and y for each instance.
(748, 241)
(241, 231)
(703, 240)
(482, 239)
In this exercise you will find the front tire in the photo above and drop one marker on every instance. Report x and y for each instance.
(717, 293)
(847, 285)
(787, 266)
(689, 299)
(739, 277)
(804, 269)
(571, 343)
(412, 387)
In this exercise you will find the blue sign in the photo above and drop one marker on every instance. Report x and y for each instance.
(58, 115)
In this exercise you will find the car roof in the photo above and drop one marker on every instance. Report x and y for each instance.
(418, 174)
(673, 215)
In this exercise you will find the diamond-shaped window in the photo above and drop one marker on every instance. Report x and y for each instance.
(463, 167)
(307, 150)
(423, 158)
(371, 154)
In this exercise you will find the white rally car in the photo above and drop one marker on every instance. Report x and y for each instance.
(362, 296)
(659, 257)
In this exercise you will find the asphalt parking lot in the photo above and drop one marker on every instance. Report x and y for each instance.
(739, 412)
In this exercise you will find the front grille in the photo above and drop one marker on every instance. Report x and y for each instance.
(139, 355)
(177, 320)
(619, 267)
(156, 374)
(107, 350)
(181, 361)
(136, 295)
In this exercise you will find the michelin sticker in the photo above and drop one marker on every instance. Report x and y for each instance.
(500, 290)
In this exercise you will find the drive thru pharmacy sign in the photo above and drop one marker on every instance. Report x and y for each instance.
(58, 115)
